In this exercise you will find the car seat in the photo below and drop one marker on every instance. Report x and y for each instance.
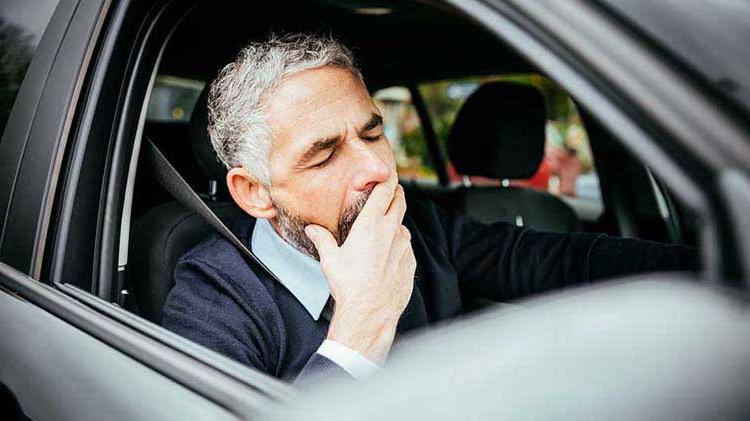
(164, 233)
(500, 133)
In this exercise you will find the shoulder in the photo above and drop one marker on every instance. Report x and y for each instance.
(218, 259)
(426, 212)
(430, 218)
(217, 251)
(428, 224)
(422, 211)
(215, 273)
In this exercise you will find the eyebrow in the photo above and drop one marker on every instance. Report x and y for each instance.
(318, 146)
(374, 121)
(333, 141)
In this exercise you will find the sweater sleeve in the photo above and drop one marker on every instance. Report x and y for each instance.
(503, 262)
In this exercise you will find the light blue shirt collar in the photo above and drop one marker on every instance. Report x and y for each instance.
(298, 272)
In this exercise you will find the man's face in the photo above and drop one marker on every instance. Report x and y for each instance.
(328, 152)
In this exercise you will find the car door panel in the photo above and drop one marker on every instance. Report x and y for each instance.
(56, 371)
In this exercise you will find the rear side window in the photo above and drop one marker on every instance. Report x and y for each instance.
(568, 167)
(567, 170)
(173, 99)
(404, 132)
(22, 24)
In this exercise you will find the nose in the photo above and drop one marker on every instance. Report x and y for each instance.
(369, 168)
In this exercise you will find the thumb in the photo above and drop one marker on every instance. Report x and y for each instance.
(323, 240)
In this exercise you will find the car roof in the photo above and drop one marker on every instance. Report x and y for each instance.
(412, 42)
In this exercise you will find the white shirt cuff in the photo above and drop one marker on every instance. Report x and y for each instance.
(354, 363)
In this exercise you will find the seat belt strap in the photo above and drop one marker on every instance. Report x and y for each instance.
(172, 181)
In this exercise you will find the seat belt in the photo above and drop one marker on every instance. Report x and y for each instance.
(172, 181)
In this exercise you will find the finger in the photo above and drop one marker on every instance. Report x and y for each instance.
(380, 198)
(399, 247)
(323, 240)
(403, 260)
(404, 232)
(397, 208)
(408, 261)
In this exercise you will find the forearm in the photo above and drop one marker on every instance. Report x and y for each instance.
(612, 256)
(502, 262)
(505, 263)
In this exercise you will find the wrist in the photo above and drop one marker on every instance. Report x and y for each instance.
(369, 333)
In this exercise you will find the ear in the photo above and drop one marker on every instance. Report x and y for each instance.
(250, 195)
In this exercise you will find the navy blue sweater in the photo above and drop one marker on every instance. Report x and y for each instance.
(228, 304)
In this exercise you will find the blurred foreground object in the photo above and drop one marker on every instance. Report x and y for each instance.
(649, 349)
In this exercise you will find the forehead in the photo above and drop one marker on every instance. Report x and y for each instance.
(321, 102)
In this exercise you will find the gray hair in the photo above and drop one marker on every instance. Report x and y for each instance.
(237, 121)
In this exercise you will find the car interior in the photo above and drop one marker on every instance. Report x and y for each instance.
(498, 138)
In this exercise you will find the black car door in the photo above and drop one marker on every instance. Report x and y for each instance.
(53, 367)
(65, 353)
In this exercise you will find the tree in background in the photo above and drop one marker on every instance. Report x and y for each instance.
(15, 56)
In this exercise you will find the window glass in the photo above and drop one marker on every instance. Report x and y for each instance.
(567, 169)
(404, 132)
(22, 24)
(173, 99)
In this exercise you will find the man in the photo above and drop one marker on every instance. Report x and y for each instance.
(350, 268)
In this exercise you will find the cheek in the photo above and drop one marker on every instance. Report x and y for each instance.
(317, 198)
(385, 152)
(390, 158)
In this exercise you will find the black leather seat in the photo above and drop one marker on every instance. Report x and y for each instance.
(166, 232)
(500, 133)
(158, 239)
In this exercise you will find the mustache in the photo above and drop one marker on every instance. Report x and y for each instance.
(292, 226)
(350, 214)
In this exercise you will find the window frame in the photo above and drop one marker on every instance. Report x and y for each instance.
(119, 109)
(88, 38)
(29, 149)
(428, 129)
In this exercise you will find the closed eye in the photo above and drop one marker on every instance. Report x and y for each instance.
(324, 162)
(372, 138)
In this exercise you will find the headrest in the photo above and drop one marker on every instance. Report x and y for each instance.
(208, 163)
(499, 132)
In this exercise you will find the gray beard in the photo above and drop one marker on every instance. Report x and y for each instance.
(292, 226)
